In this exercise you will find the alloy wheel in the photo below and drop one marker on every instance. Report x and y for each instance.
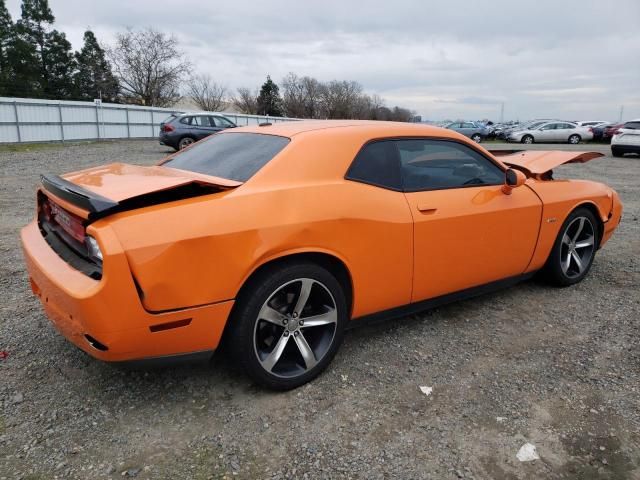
(578, 246)
(295, 328)
(185, 142)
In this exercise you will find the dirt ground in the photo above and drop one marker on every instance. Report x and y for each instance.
(558, 368)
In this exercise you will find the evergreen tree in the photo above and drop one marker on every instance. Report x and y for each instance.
(269, 101)
(6, 33)
(60, 66)
(93, 76)
(41, 58)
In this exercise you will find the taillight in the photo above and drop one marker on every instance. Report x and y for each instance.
(167, 128)
(591, 129)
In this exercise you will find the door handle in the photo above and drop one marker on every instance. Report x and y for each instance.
(426, 209)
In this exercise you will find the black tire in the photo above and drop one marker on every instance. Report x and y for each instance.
(476, 137)
(554, 270)
(185, 142)
(527, 139)
(616, 152)
(574, 139)
(246, 340)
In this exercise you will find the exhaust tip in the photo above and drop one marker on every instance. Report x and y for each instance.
(95, 343)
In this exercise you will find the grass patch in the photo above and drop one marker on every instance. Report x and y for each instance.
(33, 147)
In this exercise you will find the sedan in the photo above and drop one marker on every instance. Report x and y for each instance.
(552, 132)
(470, 129)
(272, 239)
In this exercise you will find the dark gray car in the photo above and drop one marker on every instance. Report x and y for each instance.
(180, 130)
(470, 129)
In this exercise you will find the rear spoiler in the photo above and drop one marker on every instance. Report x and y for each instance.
(76, 195)
(98, 206)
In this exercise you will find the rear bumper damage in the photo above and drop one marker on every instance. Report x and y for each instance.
(105, 317)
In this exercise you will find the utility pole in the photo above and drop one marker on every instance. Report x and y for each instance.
(621, 113)
(502, 112)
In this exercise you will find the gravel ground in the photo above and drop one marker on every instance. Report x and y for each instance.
(558, 368)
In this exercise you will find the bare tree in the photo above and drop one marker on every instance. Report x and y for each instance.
(246, 101)
(293, 96)
(206, 93)
(149, 67)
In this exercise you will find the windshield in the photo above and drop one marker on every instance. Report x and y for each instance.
(235, 156)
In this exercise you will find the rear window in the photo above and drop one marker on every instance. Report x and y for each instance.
(170, 118)
(632, 125)
(235, 156)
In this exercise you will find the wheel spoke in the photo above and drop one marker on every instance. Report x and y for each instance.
(578, 261)
(566, 263)
(305, 350)
(585, 243)
(322, 319)
(566, 240)
(305, 290)
(271, 315)
(579, 231)
(271, 360)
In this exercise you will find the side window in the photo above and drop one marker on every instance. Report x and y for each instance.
(377, 164)
(186, 120)
(567, 125)
(468, 125)
(205, 121)
(220, 122)
(440, 164)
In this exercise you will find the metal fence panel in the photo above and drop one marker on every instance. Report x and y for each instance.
(37, 120)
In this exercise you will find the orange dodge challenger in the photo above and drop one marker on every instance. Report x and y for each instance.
(274, 237)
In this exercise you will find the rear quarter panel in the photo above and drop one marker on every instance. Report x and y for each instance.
(202, 250)
(560, 198)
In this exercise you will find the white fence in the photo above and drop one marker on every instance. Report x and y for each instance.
(35, 120)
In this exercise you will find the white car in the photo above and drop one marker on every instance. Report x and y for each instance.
(627, 140)
(552, 132)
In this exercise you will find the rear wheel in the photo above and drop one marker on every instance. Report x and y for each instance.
(527, 139)
(574, 249)
(288, 325)
(185, 142)
(476, 137)
(574, 139)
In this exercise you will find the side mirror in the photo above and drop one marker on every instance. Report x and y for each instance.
(513, 179)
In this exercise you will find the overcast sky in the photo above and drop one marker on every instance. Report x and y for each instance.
(452, 59)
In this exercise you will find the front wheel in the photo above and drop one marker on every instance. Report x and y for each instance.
(574, 139)
(288, 325)
(574, 249)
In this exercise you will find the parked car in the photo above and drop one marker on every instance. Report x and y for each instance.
(552, 132)
(610, 131)
(627, 140)
(592, 123)
(470, 129)
(278, 235)
(178, 131)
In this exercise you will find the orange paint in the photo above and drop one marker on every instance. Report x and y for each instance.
(188, 259)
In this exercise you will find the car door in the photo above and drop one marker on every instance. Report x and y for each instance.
(565, 130)
(468, 129)
(467, 232)
(546, 133)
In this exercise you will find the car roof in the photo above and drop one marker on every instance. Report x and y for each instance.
(374, 128)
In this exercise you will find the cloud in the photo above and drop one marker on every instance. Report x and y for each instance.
(455, 59)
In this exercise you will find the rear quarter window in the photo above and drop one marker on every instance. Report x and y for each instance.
(235, 156)
(632, 125)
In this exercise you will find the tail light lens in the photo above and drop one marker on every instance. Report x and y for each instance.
(93, 249)
(591, 129)
(167, 128)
